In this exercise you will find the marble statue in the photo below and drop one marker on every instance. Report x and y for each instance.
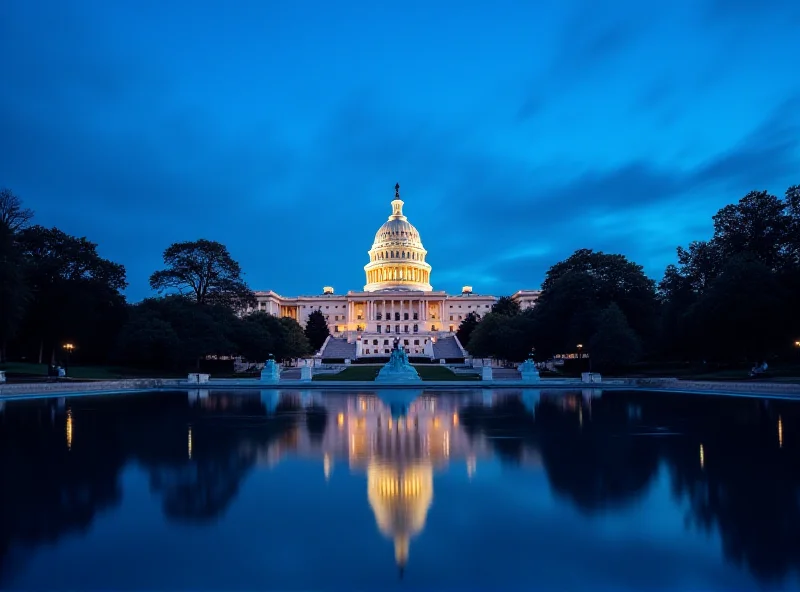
(398, 369)
(528, 371)
(271, 372)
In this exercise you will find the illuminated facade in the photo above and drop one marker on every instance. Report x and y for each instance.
(397, 301)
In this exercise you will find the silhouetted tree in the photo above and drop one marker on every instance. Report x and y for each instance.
(506, 305)
(205, 270)
(317, 330)
(614, 344)
(13, 289)
(13, 216)
(466, 328)
(617, 280)
(75, 294)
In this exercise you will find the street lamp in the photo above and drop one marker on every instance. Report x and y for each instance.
(69, 347)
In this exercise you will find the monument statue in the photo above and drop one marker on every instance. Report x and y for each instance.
(398, 369)
(271, 372)
(528, 371)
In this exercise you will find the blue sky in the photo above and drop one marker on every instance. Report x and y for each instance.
(518, 130)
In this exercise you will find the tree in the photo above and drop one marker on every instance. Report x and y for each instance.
(758, 224)
(201, 330)
(205, 270)
(294, 343)
(757, 237)
(616, 279)
(75, 295)
(148, 341)
(13, 289)
(502, 337)
(12, 215)
(741, 315)
(260, 335)
(614, 344)
(466, 328)
(506, 305)
(316, 330)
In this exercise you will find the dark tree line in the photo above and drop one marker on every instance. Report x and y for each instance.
(729, 299)
(55, 289)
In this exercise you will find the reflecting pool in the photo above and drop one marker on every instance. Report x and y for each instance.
(464, 489)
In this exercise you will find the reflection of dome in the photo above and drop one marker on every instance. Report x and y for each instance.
(400, 498)
(397, 257)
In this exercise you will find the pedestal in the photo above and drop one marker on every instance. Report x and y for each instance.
(486, 373)
(305, 373)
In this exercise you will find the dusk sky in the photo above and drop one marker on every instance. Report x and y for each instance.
(519, 131)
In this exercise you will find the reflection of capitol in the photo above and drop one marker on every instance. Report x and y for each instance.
(399, 439)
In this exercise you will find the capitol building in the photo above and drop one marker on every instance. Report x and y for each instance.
(397, 302)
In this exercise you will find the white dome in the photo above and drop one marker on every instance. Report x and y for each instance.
(397, 257)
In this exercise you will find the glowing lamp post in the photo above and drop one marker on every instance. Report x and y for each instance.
(68, 347)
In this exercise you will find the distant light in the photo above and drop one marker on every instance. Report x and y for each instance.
(702, 458)
(340, 419)
(780, 432)
(327, 290)
(190, 442)
(69, 429)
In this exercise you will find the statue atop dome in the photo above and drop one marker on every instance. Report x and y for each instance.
(397, 191)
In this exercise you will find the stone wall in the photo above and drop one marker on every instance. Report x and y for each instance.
(43, 388)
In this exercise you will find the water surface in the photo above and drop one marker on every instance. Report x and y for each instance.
(469, 489)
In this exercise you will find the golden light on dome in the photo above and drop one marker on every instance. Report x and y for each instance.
(69, 429)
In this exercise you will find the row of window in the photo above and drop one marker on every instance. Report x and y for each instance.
(398, 255)
(414, 316)
(405, 328)
(388, 351)
(405, 342)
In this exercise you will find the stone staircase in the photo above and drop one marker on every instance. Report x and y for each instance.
(446, 347)
(339, 348)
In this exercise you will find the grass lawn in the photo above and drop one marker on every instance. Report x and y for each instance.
(368, 374)
(29, 370)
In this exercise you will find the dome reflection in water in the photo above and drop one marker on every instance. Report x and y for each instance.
(469, 488)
